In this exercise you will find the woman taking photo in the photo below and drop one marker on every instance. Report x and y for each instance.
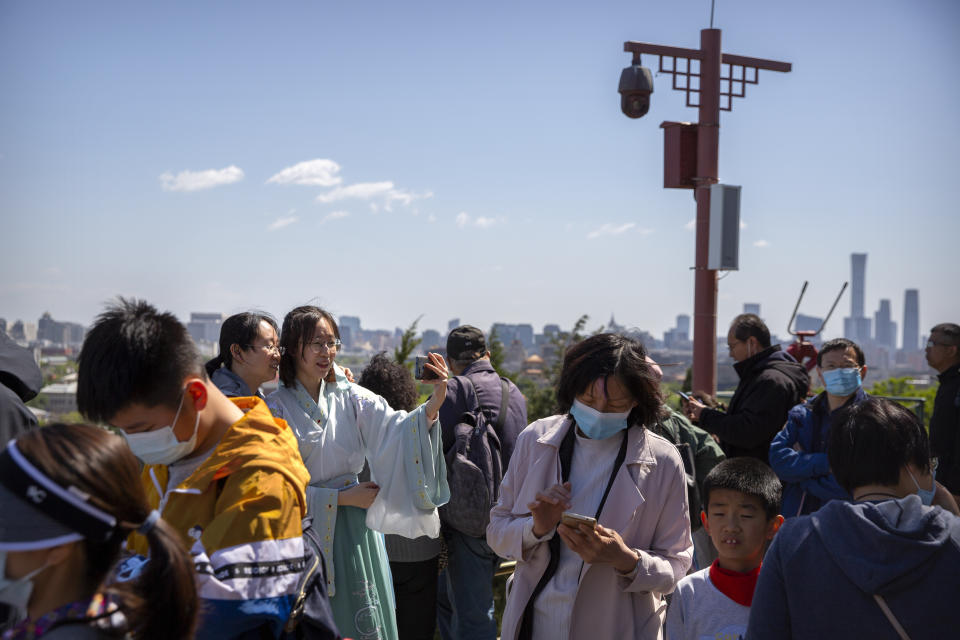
(339, 425)
(597, 460)
(249, 355)
(70, 495)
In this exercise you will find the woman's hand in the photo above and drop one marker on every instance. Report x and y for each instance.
(548, 507)
(361, 495)
(436, 363)
(599, 546)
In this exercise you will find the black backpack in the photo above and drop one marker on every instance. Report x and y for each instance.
(474, 466)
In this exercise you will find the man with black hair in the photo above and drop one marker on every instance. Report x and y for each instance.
(943, 354)
(883, 565)
(465, 593)
(222, 471)
(799, 452)
(771, 382)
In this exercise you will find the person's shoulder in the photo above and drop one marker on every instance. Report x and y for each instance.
(535, 430)
(661, 448)
(689, 585)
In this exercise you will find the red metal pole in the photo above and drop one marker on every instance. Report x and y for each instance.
(705, 280)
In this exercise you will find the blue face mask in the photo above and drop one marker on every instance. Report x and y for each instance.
(842, 382)
(597, 425)
(926, 495)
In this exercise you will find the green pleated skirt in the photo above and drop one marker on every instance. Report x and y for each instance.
(363, 604)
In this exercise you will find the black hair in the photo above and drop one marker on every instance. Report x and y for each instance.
(134, 354)
(391, 380)
(611, 354)
(840, 344)
(950, 330)
(746, 325)
(298, 328)
(240, 329)
(871, 441)
(748, 476)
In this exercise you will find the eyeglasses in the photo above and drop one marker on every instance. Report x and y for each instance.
(268, 348)
(319, 345)
(931, 344)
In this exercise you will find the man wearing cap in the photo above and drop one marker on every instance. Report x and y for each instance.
(465, 592)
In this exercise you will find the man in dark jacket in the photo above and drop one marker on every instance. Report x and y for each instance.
(857, 569)
(20, 381)
(465, 598)
(771, 382)
(943, 354)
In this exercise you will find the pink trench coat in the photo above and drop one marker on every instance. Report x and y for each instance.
(647, 506)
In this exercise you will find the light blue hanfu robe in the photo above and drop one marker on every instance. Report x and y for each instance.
(405, 455)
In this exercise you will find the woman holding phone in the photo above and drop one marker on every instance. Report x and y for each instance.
(576, 578)
(339, 425)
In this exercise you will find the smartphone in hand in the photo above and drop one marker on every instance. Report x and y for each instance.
(573, 520)
(686, 398)
(420, 372)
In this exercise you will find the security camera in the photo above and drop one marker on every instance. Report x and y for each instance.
(636, 85)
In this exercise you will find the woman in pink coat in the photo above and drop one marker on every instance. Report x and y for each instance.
(597, 460)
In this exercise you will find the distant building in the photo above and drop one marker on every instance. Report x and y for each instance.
(678, 338)
(453, 324)
(23, 332)
(885, 330)
(856, 326)
(205, 327)
(349, 330)
(752, 307)
(431, 340)
(683, 322)
(807, 323)
(911, 320)
(61, 397)
(59, 333)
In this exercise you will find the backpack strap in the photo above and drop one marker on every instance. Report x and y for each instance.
(504, 397)
(566, 459)
(892, 619)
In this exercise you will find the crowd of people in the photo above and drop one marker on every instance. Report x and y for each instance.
(336, 507)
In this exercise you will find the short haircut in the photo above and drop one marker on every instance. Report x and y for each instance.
(240, 329)
(840, 344)
(949, 330)
(750, 324)
(298, 328)
(134, 354)
(611, 354)
(748, 476)
(390, 380)
(871, 441)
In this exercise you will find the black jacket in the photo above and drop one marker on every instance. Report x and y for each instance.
(771, 383)
(20, 380)
(945, 429)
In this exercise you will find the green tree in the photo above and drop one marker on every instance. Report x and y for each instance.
(408, 342)
(495, 347)
(901, 388)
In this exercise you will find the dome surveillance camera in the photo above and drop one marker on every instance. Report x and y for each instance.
(636, 85)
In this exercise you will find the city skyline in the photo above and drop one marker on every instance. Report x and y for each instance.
(373, 160)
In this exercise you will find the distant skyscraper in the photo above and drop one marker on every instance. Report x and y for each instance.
(857, 326)
(911, 320)
(807, 323)
(683, 323)
(885, 329)
(751, 307)
(205, 327)
(453, 324)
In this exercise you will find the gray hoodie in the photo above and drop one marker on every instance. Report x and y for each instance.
(820, 573)
(20, 381)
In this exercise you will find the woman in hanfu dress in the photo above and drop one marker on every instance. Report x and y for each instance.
(339, 425)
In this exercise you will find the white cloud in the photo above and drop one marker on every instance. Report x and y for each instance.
(197, 180)
(464, 219)
(315, 173)
(336, 215)
(644, 231)
(691, 226)
(360, 190)
(610, 230)
(280, 223)
(431, 218)
(761, 244)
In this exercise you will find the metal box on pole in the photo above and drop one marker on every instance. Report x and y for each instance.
(724, 250)
(679, 155)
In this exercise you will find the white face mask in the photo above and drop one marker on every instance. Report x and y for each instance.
(15, 593)
(160, 446)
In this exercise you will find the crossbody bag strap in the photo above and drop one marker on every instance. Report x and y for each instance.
(566, 459)
(504, 397)
(890, 617)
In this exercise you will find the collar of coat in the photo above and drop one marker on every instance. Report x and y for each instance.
(638, 448)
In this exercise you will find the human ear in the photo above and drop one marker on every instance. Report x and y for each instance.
(773, 525)
(198, 393)
(236, 352)
(704, 522)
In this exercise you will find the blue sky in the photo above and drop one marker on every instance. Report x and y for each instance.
(466, 160)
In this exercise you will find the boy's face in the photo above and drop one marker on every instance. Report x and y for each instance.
(739, 529)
